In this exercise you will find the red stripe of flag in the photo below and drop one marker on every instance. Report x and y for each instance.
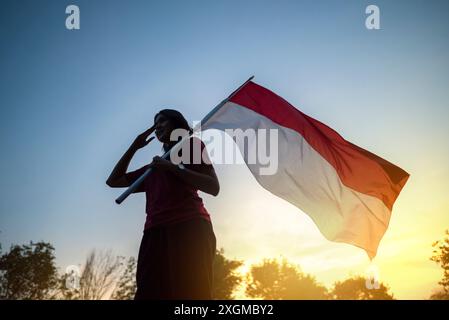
(357, 168)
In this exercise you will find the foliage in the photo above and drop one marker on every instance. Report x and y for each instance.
(226, 279)
(126, 287)
(28, 272)
(441, 256)
(355, 288)
(273, 279)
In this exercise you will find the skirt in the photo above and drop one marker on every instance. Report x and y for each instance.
(176, 261)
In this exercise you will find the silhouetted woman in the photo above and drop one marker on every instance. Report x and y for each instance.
(178, 245)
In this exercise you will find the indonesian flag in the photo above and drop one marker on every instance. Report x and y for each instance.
(347, 191)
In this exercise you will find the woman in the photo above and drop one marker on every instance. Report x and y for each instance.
(178, 245)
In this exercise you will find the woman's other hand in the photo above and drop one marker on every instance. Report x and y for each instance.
(161, 163)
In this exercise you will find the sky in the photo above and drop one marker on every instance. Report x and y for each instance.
(72, 101)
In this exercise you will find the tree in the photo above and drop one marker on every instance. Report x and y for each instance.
(273, 279)
(28, 272)
(441, 256)
(226, 279)
(356, 289)
(98, 279)
(126, 287)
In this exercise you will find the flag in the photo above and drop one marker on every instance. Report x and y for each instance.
(348, 192)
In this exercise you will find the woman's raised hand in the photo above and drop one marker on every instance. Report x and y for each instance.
(141, 140)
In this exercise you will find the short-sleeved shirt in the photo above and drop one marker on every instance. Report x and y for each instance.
(169, 199)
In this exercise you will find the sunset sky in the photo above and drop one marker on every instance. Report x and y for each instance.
(71, 102)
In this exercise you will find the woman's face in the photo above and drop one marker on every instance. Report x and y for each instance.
(163, 128)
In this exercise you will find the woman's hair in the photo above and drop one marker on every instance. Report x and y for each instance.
(177, 119)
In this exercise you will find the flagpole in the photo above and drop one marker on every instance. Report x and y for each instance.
(137, 183)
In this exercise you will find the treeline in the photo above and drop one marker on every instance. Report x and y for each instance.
(29, 272)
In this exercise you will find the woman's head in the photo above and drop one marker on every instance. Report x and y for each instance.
(167, 120)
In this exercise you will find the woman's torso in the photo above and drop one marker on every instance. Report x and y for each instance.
(169, 200)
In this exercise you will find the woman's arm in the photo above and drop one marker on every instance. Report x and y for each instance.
(117, 178)
(205, 180)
